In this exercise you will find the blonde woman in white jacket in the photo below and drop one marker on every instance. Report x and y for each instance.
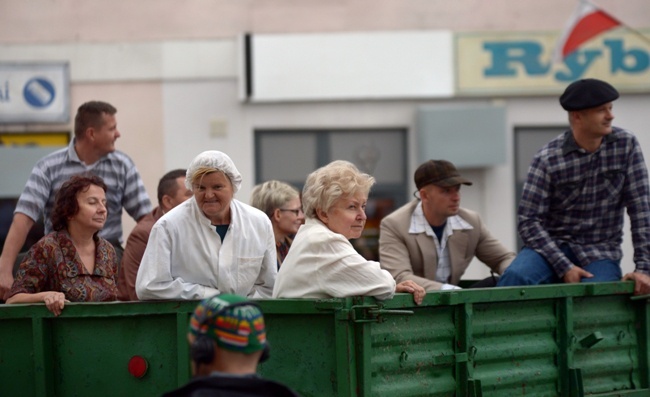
(321, 262)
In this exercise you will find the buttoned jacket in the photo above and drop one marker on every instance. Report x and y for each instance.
(413, 256)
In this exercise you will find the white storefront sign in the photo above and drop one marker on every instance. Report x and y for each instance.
(34, 93)
(345, 66)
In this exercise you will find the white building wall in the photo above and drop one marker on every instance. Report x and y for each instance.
(98, 21)
(172, 69)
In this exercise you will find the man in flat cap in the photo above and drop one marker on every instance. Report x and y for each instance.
(578, 186)
(432, 241)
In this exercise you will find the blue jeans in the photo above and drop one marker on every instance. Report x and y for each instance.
(530, 268)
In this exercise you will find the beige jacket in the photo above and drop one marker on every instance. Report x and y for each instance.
(414, 256)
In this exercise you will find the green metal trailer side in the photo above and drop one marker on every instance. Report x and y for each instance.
(559, 340)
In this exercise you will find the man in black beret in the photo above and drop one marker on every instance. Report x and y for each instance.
(576, 192)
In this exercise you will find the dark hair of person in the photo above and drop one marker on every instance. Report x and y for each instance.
(168, 185)
(90, 114)
(65, 201)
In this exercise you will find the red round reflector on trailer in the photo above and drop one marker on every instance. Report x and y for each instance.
(138, 366)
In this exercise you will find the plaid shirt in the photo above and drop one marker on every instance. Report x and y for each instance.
(577, 198)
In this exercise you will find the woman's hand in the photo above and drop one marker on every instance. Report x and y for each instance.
(412, 288)
(54, 301)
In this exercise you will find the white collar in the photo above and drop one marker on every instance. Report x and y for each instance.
(419, 223)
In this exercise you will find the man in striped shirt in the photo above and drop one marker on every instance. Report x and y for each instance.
(578, 187)
(91, 151)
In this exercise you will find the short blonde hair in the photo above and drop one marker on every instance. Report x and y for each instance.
(327, 184)
(270, 195)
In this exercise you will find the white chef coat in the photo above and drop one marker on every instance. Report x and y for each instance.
(185, 258)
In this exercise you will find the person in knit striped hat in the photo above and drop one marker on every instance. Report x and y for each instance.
(227, 337)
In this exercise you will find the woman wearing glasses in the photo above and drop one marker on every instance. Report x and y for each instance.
(281, 202)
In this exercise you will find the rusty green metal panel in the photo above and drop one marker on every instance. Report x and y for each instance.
(310, 347)
(13, 362)
(533, 341)
(86, 350)
(413, 354)
(561, 340)
(515, 347)
(606, 343)
(82, 347)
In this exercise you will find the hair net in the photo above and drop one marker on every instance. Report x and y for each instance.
(217, 160)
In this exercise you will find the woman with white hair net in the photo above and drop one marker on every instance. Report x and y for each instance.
(211, 243)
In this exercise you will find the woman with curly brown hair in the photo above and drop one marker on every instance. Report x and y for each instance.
(71, 264)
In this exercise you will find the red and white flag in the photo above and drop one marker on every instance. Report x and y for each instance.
(587, 22)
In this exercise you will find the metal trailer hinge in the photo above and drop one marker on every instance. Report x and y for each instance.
(370, 313)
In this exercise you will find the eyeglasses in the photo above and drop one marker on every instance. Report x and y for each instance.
(295, 212)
